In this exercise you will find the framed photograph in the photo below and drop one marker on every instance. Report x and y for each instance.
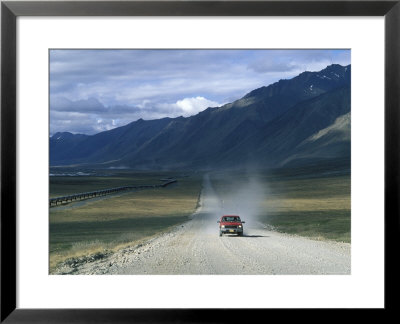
(157, 155)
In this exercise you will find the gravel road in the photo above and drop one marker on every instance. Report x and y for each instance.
(196, 248)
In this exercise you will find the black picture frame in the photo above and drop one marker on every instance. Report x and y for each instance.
(10, 10)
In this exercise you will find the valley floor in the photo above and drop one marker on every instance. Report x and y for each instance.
(195, 248)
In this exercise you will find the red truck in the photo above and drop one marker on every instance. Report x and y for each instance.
(230, 224)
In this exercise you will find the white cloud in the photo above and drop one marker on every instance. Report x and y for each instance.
(184, 107)
(192, 106)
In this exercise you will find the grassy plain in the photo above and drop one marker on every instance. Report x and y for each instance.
(93, 226)
(102, 179)
(309, 202)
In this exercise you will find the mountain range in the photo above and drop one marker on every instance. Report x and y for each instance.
(298, 121)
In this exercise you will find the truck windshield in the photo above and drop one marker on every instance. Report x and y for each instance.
(231, 219)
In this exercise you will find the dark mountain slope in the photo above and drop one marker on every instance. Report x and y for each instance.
(270, 143)
(284, 134)
(267, 125)
(274, 99)
(276, 141)
(332, 142)
(110, 145)
(63, 144)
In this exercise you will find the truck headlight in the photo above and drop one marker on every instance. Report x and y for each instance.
(222, 226)
(240, 226)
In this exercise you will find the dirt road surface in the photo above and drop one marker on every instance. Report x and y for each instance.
(196, 248)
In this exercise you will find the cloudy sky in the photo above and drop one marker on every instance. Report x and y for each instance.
(96, 90)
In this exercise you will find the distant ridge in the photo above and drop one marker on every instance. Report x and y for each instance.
(306, 118)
